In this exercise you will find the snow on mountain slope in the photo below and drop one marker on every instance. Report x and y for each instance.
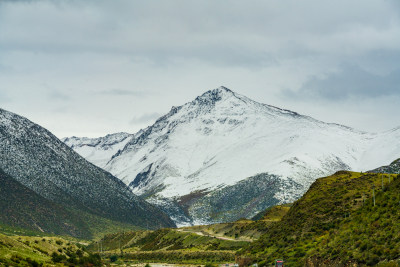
(384, 146)
(99, 150)
(202, 149)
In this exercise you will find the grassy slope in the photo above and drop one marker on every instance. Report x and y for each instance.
(328, 205)
(370, 235)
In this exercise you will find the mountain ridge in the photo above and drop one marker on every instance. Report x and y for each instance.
(221, 138)
(37, 159)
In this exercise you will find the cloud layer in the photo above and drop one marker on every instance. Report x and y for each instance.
(116, 60)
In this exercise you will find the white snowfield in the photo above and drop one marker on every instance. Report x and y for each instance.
(221, 138)
(99, 150)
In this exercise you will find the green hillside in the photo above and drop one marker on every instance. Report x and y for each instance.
(317, 224)
(369, 236)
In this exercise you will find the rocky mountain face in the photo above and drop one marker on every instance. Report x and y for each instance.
(42, 163)
(224, 156)
(393, 168)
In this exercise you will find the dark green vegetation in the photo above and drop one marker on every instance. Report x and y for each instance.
(73, 196)
(336, 223)
(42, 251)
(167, 245)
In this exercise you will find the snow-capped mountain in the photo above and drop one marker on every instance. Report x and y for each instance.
(44, 164)
(224, 156)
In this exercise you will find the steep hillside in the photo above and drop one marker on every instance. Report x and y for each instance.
(38, 160)
(194, 161)
(323, 214)
(369, 236)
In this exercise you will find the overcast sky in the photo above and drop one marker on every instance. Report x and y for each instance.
(92, 67)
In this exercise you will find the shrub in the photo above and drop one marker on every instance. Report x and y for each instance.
(55, 257)
(113, 258)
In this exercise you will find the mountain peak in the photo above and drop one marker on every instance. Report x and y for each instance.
(215, 95)
(221, 91)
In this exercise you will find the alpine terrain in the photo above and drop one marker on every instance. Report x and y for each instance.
(224, 156)
(41, 171)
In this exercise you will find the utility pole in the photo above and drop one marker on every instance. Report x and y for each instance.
(373, 193)
(363, 199)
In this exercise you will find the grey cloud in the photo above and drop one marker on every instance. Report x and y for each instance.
(145, 118)
(350, 81)
(244, 34)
